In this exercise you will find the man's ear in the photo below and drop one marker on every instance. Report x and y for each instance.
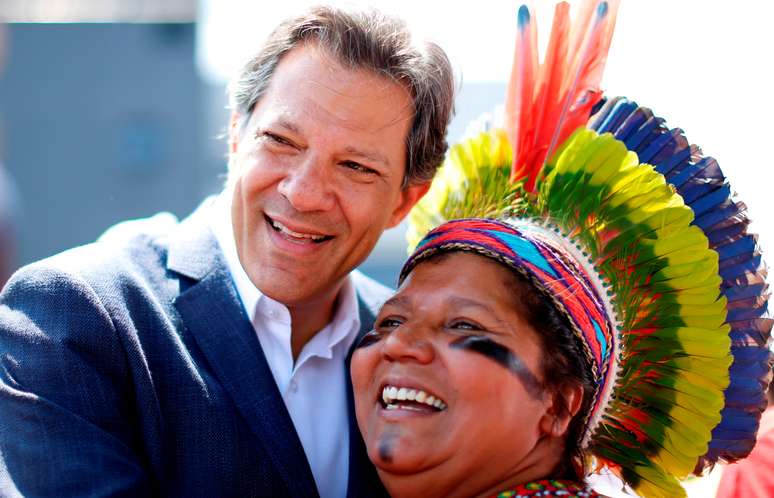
(408, 197)
(233, 132)
(565, 405)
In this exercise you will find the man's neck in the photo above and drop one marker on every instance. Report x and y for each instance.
(309, 318)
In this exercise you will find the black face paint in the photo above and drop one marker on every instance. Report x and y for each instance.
(503, 356)
(386, 446)
(369, 338)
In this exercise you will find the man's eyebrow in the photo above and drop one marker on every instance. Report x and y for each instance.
(289, 125)
(370, 156)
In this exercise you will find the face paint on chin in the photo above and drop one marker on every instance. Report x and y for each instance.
(502, 356)
(387, 445)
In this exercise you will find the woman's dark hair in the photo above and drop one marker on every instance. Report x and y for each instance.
(564, 363)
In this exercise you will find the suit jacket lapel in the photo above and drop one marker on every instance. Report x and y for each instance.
(363, 479)
(212, 311)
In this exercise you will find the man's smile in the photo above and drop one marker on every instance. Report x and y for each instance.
(303, 236)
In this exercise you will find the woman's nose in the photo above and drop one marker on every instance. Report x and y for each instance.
(408, 344)
(307, 186)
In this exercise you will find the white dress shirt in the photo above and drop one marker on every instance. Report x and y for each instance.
(314, 388)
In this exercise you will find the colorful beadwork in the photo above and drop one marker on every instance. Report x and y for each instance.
(549, 487)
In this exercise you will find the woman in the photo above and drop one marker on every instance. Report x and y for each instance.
(471, 382)
(615, 319)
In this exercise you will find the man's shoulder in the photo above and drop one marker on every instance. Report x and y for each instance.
(130, 250)
(371, 293)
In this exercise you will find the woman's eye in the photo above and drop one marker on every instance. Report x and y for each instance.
(389, 323)
(368, 339)
(381, 330)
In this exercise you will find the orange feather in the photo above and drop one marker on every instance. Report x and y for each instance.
(545, 106)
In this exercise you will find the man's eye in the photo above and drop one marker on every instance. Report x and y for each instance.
(275, 138)
(464, 325)
(358, 167)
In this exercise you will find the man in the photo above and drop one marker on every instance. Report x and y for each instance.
(210, 357)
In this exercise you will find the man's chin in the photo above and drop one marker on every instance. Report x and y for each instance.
(291, 288)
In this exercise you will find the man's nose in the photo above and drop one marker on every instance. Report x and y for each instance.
(409, 344)
(308, 185)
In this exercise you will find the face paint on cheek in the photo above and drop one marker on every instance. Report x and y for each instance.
(502, 356)
(387, 445)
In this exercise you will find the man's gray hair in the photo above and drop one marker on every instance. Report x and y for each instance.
(373, 41)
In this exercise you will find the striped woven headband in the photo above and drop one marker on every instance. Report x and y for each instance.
(535, 252)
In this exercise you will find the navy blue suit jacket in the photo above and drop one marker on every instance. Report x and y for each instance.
(129, 367)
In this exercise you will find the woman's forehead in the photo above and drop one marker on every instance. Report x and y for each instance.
(456, 266)
(462, 278)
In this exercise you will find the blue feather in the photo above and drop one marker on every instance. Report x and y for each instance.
(748, 332)
(708, 220)
(679, 178)
(742, 245)
(743, 291)
(678, 158)
(618, 115)
(701, 183)
(601, 110)
(745, 313)
(654, 147)
(718, 234)
(632, 123)
(711, 200)
(640, 138)
(523, 17)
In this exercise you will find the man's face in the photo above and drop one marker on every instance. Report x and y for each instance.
(317, 175)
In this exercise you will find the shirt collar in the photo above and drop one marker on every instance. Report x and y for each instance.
(346, 319)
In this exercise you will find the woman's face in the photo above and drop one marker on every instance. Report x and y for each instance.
(451, 340)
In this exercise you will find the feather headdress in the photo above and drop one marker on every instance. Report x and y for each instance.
(654, 223)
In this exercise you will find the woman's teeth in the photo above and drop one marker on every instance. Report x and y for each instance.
(392, 395)
(282, 228)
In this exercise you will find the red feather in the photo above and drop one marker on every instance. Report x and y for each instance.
(540, 117)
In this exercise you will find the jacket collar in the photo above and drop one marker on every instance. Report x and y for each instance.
(211, 310)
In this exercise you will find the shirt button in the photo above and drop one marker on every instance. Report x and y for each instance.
(293, 386)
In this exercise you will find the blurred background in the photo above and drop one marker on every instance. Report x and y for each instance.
(114, 109)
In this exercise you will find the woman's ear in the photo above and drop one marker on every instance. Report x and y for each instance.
(565, 404)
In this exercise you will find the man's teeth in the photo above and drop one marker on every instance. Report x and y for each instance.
(391, 394)
(282, 228)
